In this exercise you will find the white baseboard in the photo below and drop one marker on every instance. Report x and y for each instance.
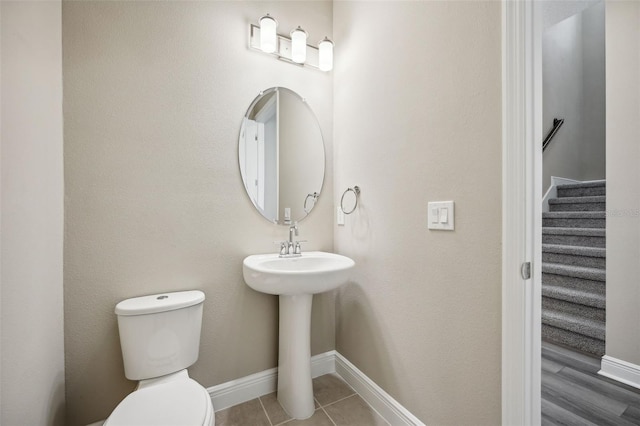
(622, 371)
(235, 392)
(241, 390)
(390, 409)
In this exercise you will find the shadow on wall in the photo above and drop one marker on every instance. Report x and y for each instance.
(56, 406)
(104, 398)
(358, 319)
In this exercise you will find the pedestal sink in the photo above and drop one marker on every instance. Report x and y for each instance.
(296, 280)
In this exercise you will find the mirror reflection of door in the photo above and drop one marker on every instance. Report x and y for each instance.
(259, 156)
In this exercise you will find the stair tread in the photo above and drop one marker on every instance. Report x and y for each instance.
(579, 200)
(576, 215)
(579, 325)
(573, 319)
(588, 232)
(573, 340)
(580, 297)
(574, 250)
(583, 185)
(584, 272)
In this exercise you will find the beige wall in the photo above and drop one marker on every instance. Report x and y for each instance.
(623, 180)
(301, 155)
(32, 384)
(154, 95)
(418, 118)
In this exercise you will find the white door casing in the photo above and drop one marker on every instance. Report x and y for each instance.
(521, 209)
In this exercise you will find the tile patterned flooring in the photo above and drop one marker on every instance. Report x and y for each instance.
(337, 404)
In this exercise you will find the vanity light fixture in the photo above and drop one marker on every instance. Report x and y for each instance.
(325, 55)
(268, 36)
(293, 49)
(299, 45)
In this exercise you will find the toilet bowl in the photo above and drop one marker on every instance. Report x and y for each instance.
(160, 338)
(175, 401)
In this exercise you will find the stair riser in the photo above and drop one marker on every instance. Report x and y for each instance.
(574, 296)
(596, 287)
(574, 240)
(583, 343)
(574, 325)
(581, 192)
(577, 207)
(567, 259)
(573, 222)
(577, 310)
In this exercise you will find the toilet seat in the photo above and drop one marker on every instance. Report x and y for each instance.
(176, 403)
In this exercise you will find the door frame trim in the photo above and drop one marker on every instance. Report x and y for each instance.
(521, 210)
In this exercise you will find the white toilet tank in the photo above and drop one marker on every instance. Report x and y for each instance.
(160, 334)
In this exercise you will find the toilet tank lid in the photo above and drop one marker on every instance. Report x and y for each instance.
(161, 302)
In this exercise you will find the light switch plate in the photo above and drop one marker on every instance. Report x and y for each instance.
(340, 216)
(440, 215)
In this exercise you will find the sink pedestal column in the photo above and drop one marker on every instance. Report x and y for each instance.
(295, 389)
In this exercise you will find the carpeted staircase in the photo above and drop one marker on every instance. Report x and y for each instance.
(573, 268)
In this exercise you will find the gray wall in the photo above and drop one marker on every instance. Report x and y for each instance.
(554, 11)
(573, 63)
(32, 384)
(154, 95)
(418, 118)
(623, 180)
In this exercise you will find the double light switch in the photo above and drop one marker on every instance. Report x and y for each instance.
(440, 215)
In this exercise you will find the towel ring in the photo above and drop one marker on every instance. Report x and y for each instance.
(356, 192)
(314, 197)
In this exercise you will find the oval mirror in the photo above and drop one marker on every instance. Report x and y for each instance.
(281, 156)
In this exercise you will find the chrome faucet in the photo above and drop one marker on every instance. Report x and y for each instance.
(291, 247)
(293, 229)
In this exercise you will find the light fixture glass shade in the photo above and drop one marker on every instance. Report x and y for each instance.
(268, 36)
(325, 55)
(299, 45)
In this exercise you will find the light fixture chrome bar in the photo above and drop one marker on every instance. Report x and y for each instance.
(283, 49)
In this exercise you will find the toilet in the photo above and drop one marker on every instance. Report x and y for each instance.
(160, 339)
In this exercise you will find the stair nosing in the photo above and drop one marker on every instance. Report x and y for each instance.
(579, 200)
(585, 251)
(575, 215)
(572, 296)
(583, 185)
(584, 272)
(563, 230)
(598, 327)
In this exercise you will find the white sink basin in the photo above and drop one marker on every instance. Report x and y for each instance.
(313, 272)
(296, 280)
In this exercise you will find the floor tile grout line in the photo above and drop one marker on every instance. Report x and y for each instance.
(265, 411)
(338, 400)
(327, 414)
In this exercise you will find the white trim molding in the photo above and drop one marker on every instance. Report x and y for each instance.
(521, 205)
(390, 409)
(621, 371)
(246, 388)
(236, 392)
(552, 192)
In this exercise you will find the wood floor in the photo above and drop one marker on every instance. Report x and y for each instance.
(574, 394)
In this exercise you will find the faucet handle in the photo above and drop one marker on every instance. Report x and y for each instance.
(298, 249)
(284, 248)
